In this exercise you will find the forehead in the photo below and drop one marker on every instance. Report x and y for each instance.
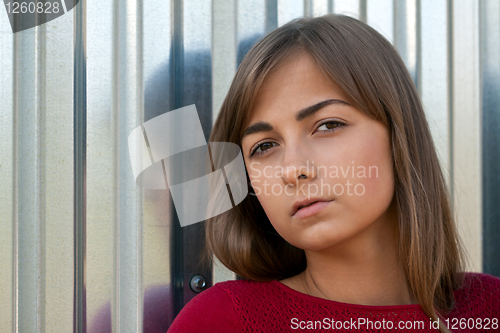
(295, 84)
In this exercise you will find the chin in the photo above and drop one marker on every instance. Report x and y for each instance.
(316, 244)
(324, 238)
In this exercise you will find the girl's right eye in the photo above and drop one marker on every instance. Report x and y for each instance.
(264, 148)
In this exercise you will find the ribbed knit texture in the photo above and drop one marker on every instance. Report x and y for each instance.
(249, 306)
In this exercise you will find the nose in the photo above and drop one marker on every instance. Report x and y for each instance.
(297, 166)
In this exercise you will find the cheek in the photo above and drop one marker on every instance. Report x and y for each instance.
(374, 175)
(361, 161)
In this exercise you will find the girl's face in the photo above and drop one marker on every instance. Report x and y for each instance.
(301, 123)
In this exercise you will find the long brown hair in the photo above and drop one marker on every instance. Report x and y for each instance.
(370, 72)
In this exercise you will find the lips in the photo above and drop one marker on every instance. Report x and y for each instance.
(304, 203)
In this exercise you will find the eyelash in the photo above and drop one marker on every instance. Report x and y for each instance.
(338, 123)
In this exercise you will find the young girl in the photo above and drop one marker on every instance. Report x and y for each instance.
(348, 225)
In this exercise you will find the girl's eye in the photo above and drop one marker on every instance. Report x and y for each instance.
(330, 126)
(264, 147)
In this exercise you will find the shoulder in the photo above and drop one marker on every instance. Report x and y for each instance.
(234, 287)
(212, 310)
(481, 283)
(479, 295)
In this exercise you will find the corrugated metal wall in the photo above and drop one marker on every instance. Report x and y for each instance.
(83, 248)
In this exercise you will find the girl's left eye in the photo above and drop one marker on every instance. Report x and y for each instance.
(330, 126)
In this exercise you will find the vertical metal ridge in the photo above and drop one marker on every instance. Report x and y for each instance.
(117, 327)
(40, 226)
(196, 87)
(27, 109)
(234, 47)
(363, 10)
(223, 53)
(418, 46)
(38, 112)
(394, 18)
(450, 101)
(129, 111)
(140, 120)
(224, 41)
(308, 8)
(416, 52)
(466, 125)
(116, 322)
(434, 75)
(80, 142)
(272, 15)
(490, 82)
(37, 212)
(176, 70)
(15, 171)
(406, 34)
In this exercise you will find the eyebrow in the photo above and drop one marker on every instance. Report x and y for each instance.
(263, 126)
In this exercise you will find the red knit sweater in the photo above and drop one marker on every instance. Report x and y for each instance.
(249, 306)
